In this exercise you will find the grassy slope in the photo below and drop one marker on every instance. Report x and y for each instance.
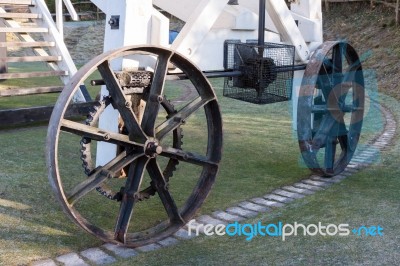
(373, 33)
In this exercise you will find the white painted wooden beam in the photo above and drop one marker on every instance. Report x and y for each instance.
(59, 17)
(311, 9)
(71, 10)
(159, 29)
(101, 4)
(286, 25)
(198, 26)
(311, 29)
(139, 24)
(181, 9)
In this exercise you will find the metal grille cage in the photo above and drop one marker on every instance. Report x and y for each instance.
(267, 71)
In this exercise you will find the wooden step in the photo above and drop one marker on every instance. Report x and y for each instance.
(24, 30)
(33, 74)
(30, 91)
(20, 15)
(18, 2)
(26, 44)
(30, 59)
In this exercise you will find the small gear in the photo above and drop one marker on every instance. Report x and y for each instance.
(86, 156)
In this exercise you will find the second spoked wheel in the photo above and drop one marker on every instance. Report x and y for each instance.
(154, 147)
(330, 108)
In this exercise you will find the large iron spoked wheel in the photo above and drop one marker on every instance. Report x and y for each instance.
(330, 108)
(145, 146)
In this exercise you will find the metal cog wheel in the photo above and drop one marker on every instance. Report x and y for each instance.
(86, 156)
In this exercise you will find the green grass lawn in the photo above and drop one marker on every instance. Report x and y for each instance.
(33, 100)
(260, 154)
(369, 198)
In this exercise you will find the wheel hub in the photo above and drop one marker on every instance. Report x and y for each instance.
(152, 148)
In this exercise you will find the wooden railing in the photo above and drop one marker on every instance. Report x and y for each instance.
(93, 13)
(60, 15)
(97, 13)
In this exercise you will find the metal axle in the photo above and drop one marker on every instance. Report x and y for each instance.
(212, 74)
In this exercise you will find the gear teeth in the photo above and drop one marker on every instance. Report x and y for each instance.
(172, 106)
(89, 121)
(86, 156)
(87, 172)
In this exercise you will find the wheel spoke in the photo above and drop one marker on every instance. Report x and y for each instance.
(100, 175)
(330, 153)
(97, 134)
(344, 142)
(187, 157)
(343, 136)
(338, 75)
(121, 103)
(322, 109)
(337, 132)
(319, 109)
(350, 82)
(156, 92)
(324, 82)
(162, 188)
(132, 186)
(323, 132)
(337, 59)
(177, 119)
(349, 76)
(346, 153)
